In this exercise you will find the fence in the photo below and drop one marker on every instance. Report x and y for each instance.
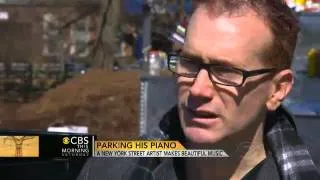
(157, 96)
(24, 79)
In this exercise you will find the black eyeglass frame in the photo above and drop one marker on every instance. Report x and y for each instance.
(245, 74)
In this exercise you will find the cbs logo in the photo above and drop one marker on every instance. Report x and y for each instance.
(66, 140)
(75, 140)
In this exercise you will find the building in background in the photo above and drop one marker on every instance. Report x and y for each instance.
(46, 34)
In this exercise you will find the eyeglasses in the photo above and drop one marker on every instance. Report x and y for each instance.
(219, 74)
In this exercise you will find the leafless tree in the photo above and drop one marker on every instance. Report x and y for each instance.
(105, 45)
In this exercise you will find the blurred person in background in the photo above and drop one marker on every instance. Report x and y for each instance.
(138, 48)
(233, 73)
(128, 40)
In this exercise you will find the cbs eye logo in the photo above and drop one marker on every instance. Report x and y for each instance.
(66, 140)
(75, 140)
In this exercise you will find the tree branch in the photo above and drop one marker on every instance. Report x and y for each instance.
(98, 42)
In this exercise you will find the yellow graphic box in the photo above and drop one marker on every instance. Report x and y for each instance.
(138, 145)
(19, 146)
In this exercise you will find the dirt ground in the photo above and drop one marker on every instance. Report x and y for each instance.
(107, 102)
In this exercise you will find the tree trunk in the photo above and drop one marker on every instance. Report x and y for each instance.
(181, 4)
(107, 43)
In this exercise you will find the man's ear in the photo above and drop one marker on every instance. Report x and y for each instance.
(282, 84)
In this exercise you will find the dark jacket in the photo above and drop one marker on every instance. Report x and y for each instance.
(173, 168)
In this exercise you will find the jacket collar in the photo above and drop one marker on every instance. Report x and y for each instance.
(280, 138)
(170, 128)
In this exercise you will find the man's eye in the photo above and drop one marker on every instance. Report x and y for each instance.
(220, 70)
(225, 73)
(187, 62)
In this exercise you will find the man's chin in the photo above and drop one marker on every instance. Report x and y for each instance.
(202, 136)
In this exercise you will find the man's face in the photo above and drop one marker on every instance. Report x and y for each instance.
(211, 112)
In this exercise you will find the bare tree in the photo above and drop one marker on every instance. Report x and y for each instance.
(105, 46)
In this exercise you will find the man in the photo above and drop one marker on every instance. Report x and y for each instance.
(232, 75)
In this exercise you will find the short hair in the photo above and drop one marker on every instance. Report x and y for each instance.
(281, 20)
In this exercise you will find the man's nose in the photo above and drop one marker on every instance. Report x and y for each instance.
(202, 86)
